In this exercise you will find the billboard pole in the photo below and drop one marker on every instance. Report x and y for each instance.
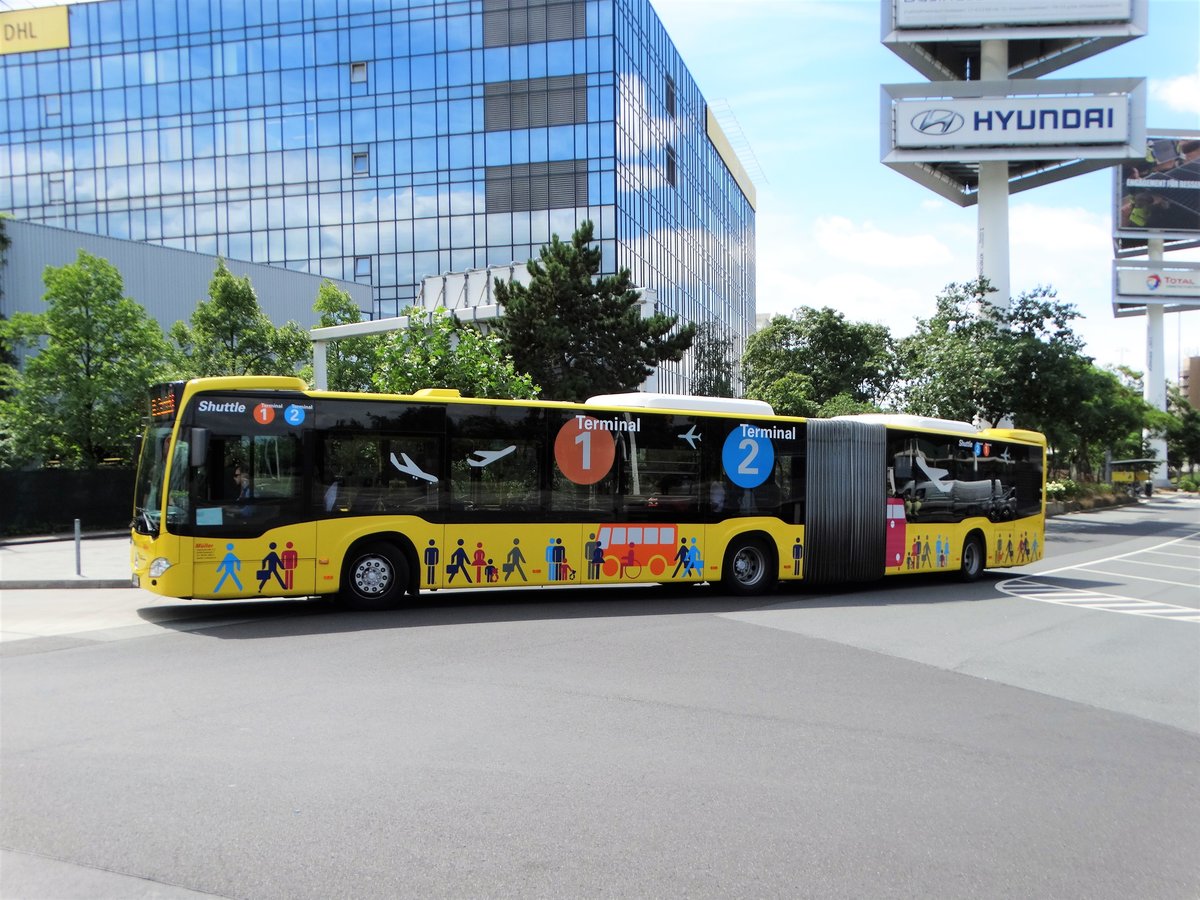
(1154, 386)
(993, 192)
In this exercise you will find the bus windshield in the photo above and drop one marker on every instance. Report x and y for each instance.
(151, 470)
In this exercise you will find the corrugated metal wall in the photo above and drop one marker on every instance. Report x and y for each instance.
(166, 281)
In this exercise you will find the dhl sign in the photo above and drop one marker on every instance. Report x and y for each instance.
(25, 30)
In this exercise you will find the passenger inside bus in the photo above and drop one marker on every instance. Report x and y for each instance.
(241, 481)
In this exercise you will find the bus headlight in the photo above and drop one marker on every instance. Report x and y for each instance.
(159, 566)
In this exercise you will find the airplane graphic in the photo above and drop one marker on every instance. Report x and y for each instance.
(487, 457)
(691, 437)
(408, 467)
(1004, 456)
(934, 474)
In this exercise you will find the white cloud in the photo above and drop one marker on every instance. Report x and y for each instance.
(858, 268)
(1181, 93)
(1064, 228)
(867, 245)
(1067, 248)
(860, 297)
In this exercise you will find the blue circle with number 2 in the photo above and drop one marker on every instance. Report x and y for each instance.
(748, 458)
(294, 415)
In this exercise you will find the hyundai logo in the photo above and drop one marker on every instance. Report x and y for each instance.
(937, 121)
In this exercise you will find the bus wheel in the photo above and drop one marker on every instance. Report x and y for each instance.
(972, 559)
(748, 568)
(375, 578)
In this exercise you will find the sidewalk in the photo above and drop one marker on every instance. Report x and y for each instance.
(101, 605)
(49, 563)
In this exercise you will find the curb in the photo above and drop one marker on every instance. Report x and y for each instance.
(1066, 507)
(59, 538)
(74, 583)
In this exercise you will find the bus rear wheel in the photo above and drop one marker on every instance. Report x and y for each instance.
(972, 559)
(749, 567)
(375, 577)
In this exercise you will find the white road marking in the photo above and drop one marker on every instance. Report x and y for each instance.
(1019, 587)
(1161, 565)
(1028, 588)
(1191, 556)
(1096, 571)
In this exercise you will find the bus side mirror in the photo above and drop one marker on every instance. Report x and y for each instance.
(198, 447)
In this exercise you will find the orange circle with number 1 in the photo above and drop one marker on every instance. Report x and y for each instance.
(584, 451)
(264, 414)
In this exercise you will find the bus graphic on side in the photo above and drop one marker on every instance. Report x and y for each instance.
(630, 550)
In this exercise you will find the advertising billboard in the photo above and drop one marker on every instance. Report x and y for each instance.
(941, 38)
(1158, 282)
(1158, 195)
(1012, 121)
(1062, 119)
(979, 13)
(1139, 285)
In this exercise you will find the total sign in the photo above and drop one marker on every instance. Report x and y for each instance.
(1011, 121)
(1158, 282)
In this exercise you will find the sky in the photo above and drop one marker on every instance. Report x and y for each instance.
(836, 227)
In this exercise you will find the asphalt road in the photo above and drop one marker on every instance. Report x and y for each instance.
(1016, 737)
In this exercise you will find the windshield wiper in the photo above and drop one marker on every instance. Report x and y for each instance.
(143, 524)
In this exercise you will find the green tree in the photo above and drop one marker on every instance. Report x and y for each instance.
(577, 334)
(1025, 363)
(350, 362)
(11, 338)
(82, 397)
(971, 359)
(949, 361)
(712, 352)
(1040, 354)
(438, 351)
(8, 346)
(229, 334)
(835, 355)
(845, 405)
(790, 394)
(1105, 414)
(1183, 431)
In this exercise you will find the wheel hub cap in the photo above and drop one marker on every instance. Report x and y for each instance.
(372, 577)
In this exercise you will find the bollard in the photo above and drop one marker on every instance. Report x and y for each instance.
(78, 553)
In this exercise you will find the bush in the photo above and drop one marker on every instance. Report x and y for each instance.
(1189, 484)
(1068, 489)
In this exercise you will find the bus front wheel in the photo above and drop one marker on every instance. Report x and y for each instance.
(375, 577)
(749, 567)
(972, 559)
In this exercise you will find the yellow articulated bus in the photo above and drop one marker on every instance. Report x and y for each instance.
(259, 487)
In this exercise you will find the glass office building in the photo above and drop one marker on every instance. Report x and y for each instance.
(380, 141)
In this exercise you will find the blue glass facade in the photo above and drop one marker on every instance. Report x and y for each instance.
(383, 141)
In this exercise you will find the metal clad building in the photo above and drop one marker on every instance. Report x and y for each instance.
(382, 141)
(166, 282)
